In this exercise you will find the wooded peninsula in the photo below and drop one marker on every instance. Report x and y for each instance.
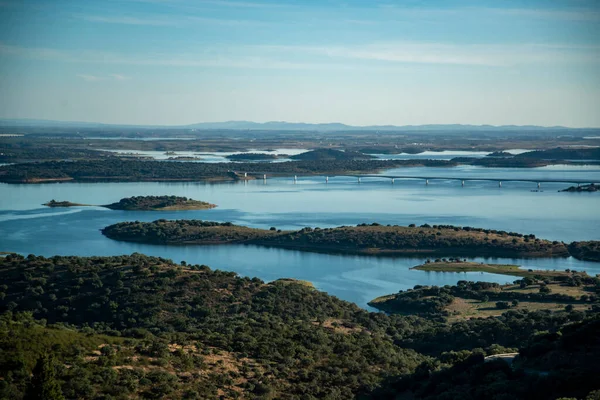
(373, 239)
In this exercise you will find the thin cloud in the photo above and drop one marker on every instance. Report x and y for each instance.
(567, 15)
(90, 78)
(247, 4)
(578, 14)
(220, 3)
(127, 20)
(372, 56)
(170, 21)
(96, 78)
(451, 54)
(206, 59)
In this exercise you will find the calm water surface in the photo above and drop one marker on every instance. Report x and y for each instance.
(28, 227)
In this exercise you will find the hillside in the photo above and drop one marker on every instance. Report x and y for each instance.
(146, 328)
(175, 327)
(331, 154)
(371, 239)
(549, 366)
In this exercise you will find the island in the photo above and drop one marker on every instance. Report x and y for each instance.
(561, 153)
(144, 203)
(159, 203)
(581, 188)
(367, 239)
(499, 154)
(53, 203)
(252, 157)
(184, 158)
(331, 154)
(457, 265)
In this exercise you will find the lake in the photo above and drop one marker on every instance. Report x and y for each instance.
(27, 227)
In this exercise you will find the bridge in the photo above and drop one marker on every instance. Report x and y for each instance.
(427, 178)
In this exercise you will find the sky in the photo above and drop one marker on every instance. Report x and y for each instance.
(376, 62)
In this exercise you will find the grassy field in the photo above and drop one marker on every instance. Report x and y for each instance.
(290, 281)
(189, 205)
(470, 308)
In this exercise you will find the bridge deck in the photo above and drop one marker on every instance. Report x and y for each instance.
(451, 178)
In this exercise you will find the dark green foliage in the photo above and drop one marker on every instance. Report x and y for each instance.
(331, 154)
(423, 300)
(560, 153)
(586, 250)
(288, 329)
(143, 203)
(549, 366)
(145, 327)
(252, 157)
(44, 385)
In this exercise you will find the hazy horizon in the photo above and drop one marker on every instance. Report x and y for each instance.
(360, 63)
(41, 122)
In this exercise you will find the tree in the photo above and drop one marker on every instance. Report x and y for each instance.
(44, 385)
(545, 289)
(503, 305)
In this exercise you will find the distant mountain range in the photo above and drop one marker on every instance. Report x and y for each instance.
(276, 126)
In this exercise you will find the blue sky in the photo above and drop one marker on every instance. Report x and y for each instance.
(358, 62)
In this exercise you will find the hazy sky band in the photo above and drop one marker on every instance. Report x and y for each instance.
(358, 62)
